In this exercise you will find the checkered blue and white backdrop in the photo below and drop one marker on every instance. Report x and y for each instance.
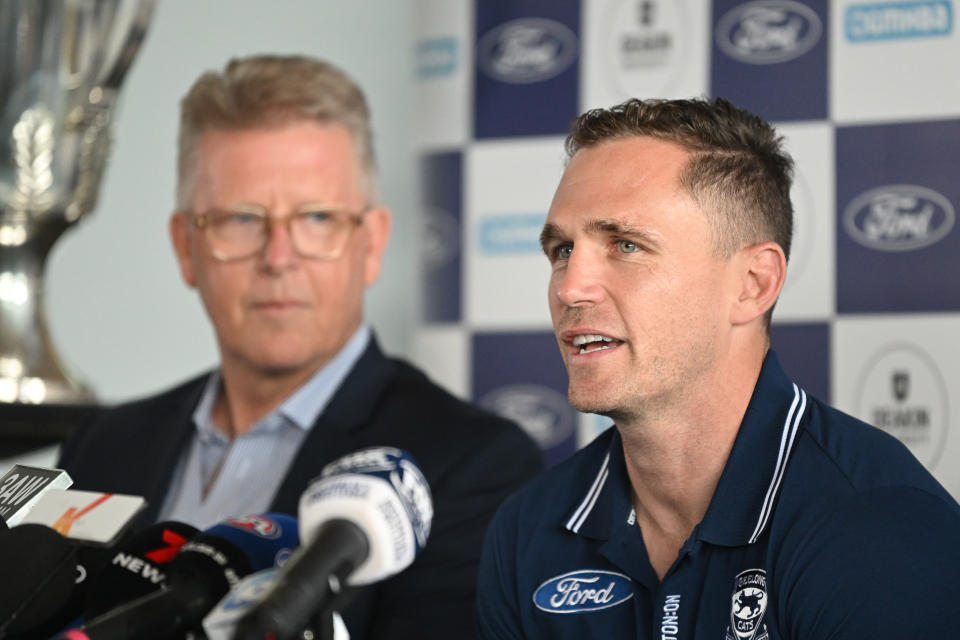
(867, 95)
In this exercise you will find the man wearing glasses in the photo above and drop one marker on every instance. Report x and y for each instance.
(279, 229)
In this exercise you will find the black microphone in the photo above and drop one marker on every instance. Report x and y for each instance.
(136, 567)
(200, 574)
(51, 610)
(364, 519)
(39, 573)
(79, 523)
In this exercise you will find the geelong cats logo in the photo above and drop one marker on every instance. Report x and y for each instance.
(747, 606)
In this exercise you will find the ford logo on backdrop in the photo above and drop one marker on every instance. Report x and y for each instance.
(768, 31)
(583, 591)
(441, 239)
(527, 50)
(898, 217)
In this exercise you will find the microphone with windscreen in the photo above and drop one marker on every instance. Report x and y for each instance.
(136, 567)
(365, 519)
(39, 575)
(61, 542)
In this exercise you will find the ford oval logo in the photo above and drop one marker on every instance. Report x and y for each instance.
(527, 50)
(440, 239)
(768, 31)
(583, 591)
(542, 412)
(899, 217)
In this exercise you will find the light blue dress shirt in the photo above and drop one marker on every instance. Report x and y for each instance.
(244, 473)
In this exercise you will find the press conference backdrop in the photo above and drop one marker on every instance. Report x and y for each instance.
(867, 95)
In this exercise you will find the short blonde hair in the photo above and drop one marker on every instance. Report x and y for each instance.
(269, 91)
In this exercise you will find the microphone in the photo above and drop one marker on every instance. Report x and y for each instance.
(136, 567)
(221, 622)
(22, 486)
(72, 527)
(52, 610)
(364, 519)
(39, 570)
(198, 576)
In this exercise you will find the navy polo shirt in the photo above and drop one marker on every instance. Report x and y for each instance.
(820, 527)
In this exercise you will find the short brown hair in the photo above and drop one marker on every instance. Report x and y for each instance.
(738, 169)
(267, 91)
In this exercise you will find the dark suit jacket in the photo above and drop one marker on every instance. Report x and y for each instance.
(471, 459)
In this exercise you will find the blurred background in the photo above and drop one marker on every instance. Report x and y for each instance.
(119, 313)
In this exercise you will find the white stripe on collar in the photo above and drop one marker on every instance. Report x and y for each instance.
(580, 515)
(786, 446)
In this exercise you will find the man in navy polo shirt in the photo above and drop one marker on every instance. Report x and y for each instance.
(726, 503)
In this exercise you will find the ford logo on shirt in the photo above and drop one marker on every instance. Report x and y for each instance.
(583, 591)
(768, 31)
(899, 217)
(527, 50)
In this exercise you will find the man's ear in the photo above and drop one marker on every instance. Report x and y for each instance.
(764, 269)
(376, 223)
(180, 237)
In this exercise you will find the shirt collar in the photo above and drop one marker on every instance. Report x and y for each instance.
(743, 500)
(302, 408)
(308, 402)
(747, 491)
(606, 499)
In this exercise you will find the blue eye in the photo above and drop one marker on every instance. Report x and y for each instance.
(242, 217)
(317, 217)
(236, 219)
(625, 246)
(563, 251)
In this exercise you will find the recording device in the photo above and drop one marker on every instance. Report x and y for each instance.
(364, 519)
(22, 486)
(198, 576)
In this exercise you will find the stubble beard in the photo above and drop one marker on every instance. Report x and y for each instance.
(634, 398)
(606, 402)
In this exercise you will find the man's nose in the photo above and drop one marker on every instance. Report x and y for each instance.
(579, 282)
(279, 251)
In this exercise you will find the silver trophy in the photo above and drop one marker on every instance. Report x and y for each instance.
(61, 66)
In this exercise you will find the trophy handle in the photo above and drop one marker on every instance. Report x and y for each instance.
(113, 78)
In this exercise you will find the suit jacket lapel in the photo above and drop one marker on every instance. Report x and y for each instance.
(337, 430)
(167, 437)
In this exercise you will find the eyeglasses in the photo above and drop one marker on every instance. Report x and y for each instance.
(236, 234)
